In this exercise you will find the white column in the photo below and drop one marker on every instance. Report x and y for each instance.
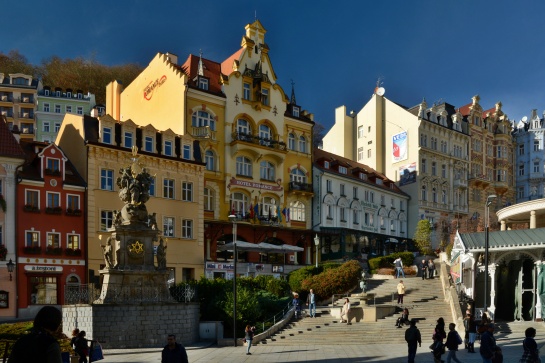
(492, 271)
(503, 227)
(538, 292)
(532, 219)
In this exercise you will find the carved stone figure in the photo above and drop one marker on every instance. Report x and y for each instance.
(108, 253)
(161, 255)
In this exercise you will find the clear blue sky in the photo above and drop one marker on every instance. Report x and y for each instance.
(333, 50)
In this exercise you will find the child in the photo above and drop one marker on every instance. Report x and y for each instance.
(453, 340)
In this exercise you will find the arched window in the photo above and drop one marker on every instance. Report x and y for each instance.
(434, 195)
(266, 170)
(239, 202)
(424, 195)
(269, 207)
(244, 166)
(202, 119)
(291, 141)
(297, 211)
(244, 127)
(302, 144)
(209, 200)
(210, 160)
(265, 135)
(298, 175)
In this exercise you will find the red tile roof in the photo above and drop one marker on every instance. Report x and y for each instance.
(211, 70)
(464, 110)
(227, 65)
(8, 143)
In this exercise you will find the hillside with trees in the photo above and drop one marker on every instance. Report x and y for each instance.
(78, 74)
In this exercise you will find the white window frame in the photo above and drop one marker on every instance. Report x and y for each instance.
(187, 191)
(169, 187)
(148, 143)
(168, 148)
(106, 218)
(107, 135)
(187, 228)
(169, 227)
(105, 176)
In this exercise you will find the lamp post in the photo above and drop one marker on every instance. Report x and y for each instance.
(233, 218)
(489, 200)
(317, 243)
(11, 266)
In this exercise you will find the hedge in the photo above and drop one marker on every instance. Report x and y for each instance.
(334, 280)
(388, 261)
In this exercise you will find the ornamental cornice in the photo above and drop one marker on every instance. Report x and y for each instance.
(521, 208)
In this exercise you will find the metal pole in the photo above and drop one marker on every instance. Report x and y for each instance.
(486, 256)
(235, 282)
(316, 256)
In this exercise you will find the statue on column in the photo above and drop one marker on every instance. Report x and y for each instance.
(161, 255)
(108, 253)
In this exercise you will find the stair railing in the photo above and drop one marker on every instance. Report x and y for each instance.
(269, 323)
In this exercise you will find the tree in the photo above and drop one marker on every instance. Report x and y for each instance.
(15, 62)
(422, 237)
(317, 134)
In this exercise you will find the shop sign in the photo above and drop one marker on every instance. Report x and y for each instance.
(219, 266)
(251, 184)
(369, 205)
(150, 88)
(34, 268)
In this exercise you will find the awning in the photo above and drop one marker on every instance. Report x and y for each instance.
(260, 247)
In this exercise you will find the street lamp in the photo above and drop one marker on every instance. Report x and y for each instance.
(316, 243)
(233, 218)
(11, 266)
(489, 200)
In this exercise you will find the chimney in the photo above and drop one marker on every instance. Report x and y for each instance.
(94, 112)
(16, 133)
(173, 58)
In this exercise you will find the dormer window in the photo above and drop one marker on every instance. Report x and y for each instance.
(53, 165)
(46, 92)
(343, 170)
(168, 148)
(186, 151)
(107, 135)
(69, 94)
(326, 164)
(58, 93)
(295, 111)
(363, 176)
(128, 139)
(203, 83)
(80, 95)
(378, 181)
(148, 144)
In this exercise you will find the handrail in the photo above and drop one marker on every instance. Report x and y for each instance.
(273, 319)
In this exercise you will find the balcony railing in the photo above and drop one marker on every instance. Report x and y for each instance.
(481, 177)
(459, 183)
(24, 99)
(6, 98)
(255, 139)
(204, 132)
(298, 186)
(29, 115)
(29, 130)
(7, 113)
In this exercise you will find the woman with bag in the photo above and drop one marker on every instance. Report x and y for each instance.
(531, 351)
(438, 349)
(82, 347)
(452, 343)
(248, 337)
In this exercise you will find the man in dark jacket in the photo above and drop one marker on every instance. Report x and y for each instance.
(488, 344)
(173, 352)
(412, 336)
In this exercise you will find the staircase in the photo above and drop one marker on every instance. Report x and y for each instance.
(423, 298)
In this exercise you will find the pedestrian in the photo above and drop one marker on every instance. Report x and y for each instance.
(472, 333)
(40, 345)
(249, 337)
(431, 269)
(412, 336)
(403, 319)
(398, 263)
(424, 269)
(311, 302)
(531, 351)
(437, 346)
(452, 343)
(75, 333)
(173, 352)
(400, 292)
(297, 304)
(82, 347)
(489, 350)
(345, 312)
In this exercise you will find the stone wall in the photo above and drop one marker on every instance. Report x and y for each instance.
(134, 326)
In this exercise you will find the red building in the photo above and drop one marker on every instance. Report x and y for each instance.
(50, 228)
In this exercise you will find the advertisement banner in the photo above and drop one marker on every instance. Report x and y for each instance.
(399, 147)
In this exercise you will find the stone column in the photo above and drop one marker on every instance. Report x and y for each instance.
(492, 272)
(539, 266)
(503, 227)
(208, 258)
(533, 219)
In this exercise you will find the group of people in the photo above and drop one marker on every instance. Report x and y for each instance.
(427, 269)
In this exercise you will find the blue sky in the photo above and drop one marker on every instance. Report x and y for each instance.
(334, 51)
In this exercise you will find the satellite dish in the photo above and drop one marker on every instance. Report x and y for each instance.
(525, 118)
(381, 91)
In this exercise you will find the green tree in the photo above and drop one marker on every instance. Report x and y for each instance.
(422, 236)
(15, 62)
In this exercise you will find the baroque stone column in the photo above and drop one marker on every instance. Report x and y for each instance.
(503, 227)
(492, 271)
(532, 219)
(539, 266)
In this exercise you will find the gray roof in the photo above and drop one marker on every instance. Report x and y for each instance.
(523, 238)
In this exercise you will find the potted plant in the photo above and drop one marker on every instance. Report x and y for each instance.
(50, 250)
(32, 250)
(3, 252)
(72, 252)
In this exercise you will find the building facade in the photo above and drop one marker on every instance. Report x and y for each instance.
(50, 234)
(357, 211)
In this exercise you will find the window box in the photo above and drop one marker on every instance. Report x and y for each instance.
(53, 250)
(31, 208)
(72, 252)
(53, 210)
(32, 250)
(73, 212)
(3, 252)
(52, 172)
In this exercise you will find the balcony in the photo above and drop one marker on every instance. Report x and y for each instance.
(204, 132)
(27, 129)
(25, 99)
(300, 187)
(460, 183)
(6, 98)
(7, 113)
(258, 140)
(27, 115)
(479, 179)
(32, 250)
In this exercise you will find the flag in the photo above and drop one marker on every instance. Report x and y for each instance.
(243, 212)
(278, 214)
(284, 213)
(256, 210)
(251, 211)
(270, 213)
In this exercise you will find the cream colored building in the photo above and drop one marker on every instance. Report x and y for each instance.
(423, 149)
(100, 147)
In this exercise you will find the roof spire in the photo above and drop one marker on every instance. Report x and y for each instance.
(201, 67)
(292, 98)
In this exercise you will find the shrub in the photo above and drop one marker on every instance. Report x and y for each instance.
(334, 280)
(388, 261)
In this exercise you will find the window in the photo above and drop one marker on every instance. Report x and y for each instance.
(79, 110)
(208, 199)
(444, 196)
(247, 91)
(326, 164)
(329, 186)
(187, 228)
(444, 147)
(203, 119)
(152, 186)
(53, 200)
(187, 192)
(360, 153)
(32, 239)
(266, 170)
(369, 153)
(520, 193)
(53, 240)
(244, 166)
(343, 214)
(168, 148)
(57, 127)
(536, 166)
(203, 83)
(69, 94)
(128, 139)
(43, 290)
(302, 144)
(392, 226)
(148, 144)
(423, 165)
(443, 171)
(53, 165)
(265, 96)
(72, 202)
(360, 132)
(168, 226)
(433, 168)
(501, 176)
(382, 200)
(209, 159)
(57, 108)
(329, 211)
(265, 135)
(298, 175)
(239, 202)
(73, 242)
(434, 143)
(499, 151)
(401, 206)
(46, 107)
(424, 194)
(355, 216)
(423, 140)
(45, 126)
(291, 141)
(434, 195)
(295, 111)
(521, 169)
(343, 170)
(363, 176)
(32, 198)
(186, 152)
(168, 188)
(106, 179)
(107, 135)
(521, 149)
(355, 192)
(106, 219)
(68, 109)
(297, 211)
(536, 145)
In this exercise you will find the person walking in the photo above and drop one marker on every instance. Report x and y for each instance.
(403, 319)
(345, 312)
(82, 347)
(249, 337)
(438, 335)
(39, 345)
(412, 337)
(398, 263)
(452, 343)
(431, 269)
(472, 333)
(173, 352)
(531, 351)
(400, 292)
(488, 348)
(297, 304)
(424, 269)
(75, 333)
(311, 302)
